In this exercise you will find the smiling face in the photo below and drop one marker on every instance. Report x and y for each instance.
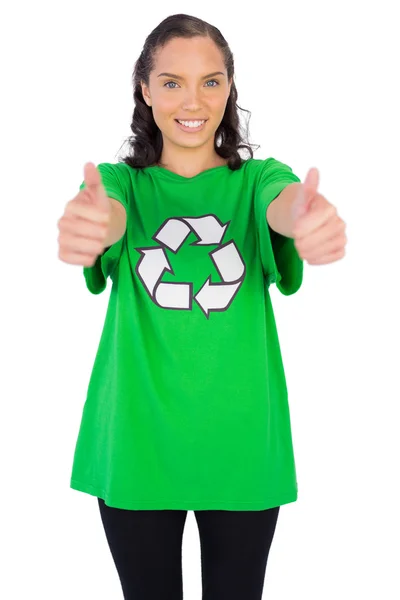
(189, 82)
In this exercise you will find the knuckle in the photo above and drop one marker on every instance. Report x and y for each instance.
(69, 210)
(101, 232)
(332, 210)
(105, 218)
(63, 255)
(63, 222)
(90, 261)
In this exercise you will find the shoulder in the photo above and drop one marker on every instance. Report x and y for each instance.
(258, 169)
(260, 165)
(271, 169)
(118, 175)
(119, 169)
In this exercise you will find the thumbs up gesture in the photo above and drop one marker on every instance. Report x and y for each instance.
(85, 223)
(318, 231)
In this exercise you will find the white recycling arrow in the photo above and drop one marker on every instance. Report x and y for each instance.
(216, 296)
(212, 296)
(228, 262)
(174, 232)
(174, 295)
(208, 229)
(151, 267)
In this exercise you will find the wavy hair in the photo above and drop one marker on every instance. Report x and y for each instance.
(145, 145)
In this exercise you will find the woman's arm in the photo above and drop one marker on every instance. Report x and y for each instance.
(279, 212)
(117, 225)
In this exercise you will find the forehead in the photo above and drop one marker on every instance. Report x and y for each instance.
(189, 55)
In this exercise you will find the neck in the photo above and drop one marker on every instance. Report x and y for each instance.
(187, 161)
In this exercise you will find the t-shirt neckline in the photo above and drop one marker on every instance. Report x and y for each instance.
(176, 177)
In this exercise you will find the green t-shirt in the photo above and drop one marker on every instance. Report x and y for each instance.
(187, 404)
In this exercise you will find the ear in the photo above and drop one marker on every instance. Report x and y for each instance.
(146, 94)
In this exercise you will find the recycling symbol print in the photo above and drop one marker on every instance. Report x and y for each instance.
(172, 234)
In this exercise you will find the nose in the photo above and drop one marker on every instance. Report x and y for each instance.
(192, 100)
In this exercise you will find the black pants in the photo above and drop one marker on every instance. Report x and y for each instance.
(146, 546)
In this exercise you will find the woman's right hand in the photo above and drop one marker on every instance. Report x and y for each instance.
(85, 223)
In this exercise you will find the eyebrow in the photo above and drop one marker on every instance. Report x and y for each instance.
(179, 77)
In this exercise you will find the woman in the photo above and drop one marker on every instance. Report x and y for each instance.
(187, 405)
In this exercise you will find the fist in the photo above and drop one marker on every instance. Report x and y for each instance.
(319, 233)
(84, 226)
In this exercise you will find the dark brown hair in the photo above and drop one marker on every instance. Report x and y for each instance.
(145, 145)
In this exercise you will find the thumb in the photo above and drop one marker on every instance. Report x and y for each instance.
(94, 185)
(306, 194)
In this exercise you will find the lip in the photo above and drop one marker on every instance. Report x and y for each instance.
(191, 129)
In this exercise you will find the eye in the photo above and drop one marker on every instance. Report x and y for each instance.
(166, 84)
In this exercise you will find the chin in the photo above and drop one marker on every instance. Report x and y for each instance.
(192, 140)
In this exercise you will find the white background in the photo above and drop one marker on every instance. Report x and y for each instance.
(320, 79)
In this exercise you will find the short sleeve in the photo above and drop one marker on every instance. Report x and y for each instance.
(280, 260)
(114, 183)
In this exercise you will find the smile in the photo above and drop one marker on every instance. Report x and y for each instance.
(191, 126)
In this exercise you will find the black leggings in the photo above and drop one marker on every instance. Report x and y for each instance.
(146, 546)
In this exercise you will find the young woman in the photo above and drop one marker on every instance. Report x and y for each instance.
(187, 406)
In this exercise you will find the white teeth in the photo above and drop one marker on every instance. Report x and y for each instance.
(191, 123)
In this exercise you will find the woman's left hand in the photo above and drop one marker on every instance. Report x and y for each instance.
(318, 231)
